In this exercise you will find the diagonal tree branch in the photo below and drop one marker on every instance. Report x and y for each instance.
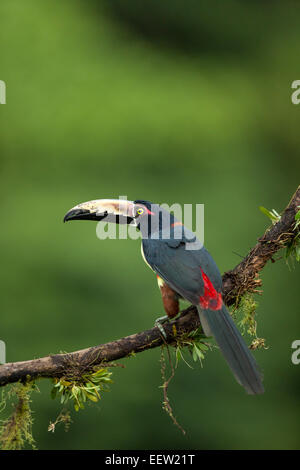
(243, 278)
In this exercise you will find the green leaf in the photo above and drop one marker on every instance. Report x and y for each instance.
(195, 355)
(202, 346)
(91, 397)
(273, 215)
(297, 253)
(200, 354)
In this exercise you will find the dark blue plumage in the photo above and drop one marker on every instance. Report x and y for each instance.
(194, 275)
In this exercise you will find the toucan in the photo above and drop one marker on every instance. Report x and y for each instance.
(184, 269)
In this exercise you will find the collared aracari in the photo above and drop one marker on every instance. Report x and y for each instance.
(184, 269)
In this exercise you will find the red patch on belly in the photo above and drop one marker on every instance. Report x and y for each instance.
(211, 299)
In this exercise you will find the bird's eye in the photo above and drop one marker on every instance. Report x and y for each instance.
(140, 211)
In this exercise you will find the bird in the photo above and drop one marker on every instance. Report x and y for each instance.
(184, 270)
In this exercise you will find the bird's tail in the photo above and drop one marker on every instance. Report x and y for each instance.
(219, 324)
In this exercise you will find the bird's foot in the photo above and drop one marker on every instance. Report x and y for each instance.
(158, 323)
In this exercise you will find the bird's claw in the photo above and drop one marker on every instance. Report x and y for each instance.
(158, 323)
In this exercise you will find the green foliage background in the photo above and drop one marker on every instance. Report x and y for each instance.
(168, 101)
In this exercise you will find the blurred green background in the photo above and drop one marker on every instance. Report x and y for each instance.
(172, 101)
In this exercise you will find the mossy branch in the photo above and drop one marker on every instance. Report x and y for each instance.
(15, 431)
(243, 278)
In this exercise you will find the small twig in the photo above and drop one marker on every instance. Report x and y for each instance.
(166, 403)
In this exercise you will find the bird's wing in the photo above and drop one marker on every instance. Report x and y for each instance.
(178, 267)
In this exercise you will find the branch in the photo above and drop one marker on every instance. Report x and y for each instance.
(243, 278)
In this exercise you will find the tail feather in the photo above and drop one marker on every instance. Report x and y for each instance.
(219, 324)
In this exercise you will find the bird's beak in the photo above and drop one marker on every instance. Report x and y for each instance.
(110, 210)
